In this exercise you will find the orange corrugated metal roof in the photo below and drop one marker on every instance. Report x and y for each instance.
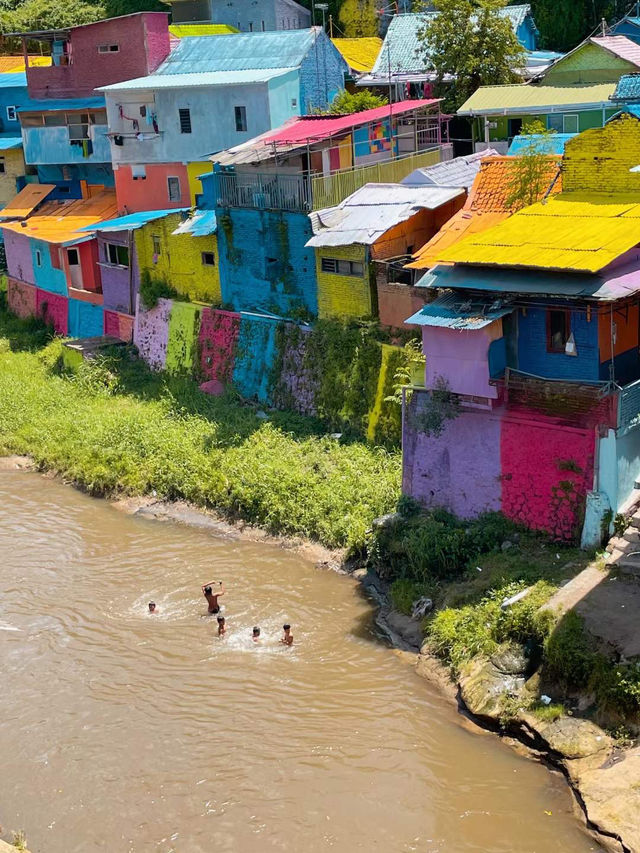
(58, 222)
(14, 64)
(485, 207)
(29, 197)
(572, 231)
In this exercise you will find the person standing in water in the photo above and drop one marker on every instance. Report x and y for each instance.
(287, 637)
(212, 597)
(256, 635)
(153, 608)
(222, 627)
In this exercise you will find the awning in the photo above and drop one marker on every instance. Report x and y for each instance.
(132, 221)
(26, 201)
(7, 142)
(201, 224)
(457, 311)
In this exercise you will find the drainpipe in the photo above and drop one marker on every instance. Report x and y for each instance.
(131, 288)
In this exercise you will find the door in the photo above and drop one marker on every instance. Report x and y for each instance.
(514, 127)
(75, 270)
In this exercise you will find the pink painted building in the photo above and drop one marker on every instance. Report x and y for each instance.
(97, 54)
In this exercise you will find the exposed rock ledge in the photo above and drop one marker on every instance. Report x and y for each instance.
(604, 778)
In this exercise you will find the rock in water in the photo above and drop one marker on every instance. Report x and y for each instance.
(421, 607)
(511, 659)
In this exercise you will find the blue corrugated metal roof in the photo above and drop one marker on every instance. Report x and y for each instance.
(628, 88)
(456, 311)
(201, 224)
(132, 221)
(53, 105)
(13, 80)
(632, 109)
(552, 143)
(8, 140)
(240, 52)
(201, 78)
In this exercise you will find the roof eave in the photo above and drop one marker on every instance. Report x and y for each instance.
(503, 111)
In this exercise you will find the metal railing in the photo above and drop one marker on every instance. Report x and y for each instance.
(629, 407)
(264, 191)
(330, 190)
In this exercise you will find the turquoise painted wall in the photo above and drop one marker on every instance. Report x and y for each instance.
(85, 320)
(50, 145)
(628, 452)
(284, 98)
(47, 277)
(255, 355)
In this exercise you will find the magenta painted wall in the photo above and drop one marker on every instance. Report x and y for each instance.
(143, 39)
(217, 343)
(19, 257)
(461, 357)
(460, 469)
(21, 298)
(151, 333)
(54, 309)
(118, 325)
(537, 488)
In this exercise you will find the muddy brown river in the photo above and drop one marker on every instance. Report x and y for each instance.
(125, 732)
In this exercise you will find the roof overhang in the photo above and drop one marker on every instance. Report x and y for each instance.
(539, 110)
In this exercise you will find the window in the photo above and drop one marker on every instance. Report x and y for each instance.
(241, 119)
(157, 245)
(2, 166)
(250, 26)
(185, 120)
(558, 329)
(138, 172)
(108, 48)
(263, 27)
(54, 255)
(38, 258)
(173, 187)
(337, 267)
(554, 122)
(208, 259)
(11, 114)
(117, 255)
(570, 123)
(73, 257)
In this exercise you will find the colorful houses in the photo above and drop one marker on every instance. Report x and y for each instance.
(534, 339)
(256, 16)
(572, 95)
(159, 125)
(13, 97)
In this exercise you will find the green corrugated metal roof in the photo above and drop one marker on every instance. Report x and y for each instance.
(193, 30)
(524, 98)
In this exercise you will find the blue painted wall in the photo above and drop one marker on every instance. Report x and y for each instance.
(13, 93)
(532, 347)
(284, 98)
(321, 75)
(47, 277)
(85, 320)
(92, 173)
(527, 34)
(628, 29)
(626, 367)
(255, 355)
(628, 453)
(266, 267)
(43, 145)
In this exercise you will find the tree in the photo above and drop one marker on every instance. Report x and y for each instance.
(127, 7)
(359, 18)
(531, 172)
(345, 102)
(470, 44)
(49, 15)
(563, 24)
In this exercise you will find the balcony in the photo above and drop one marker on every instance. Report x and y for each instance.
(263, 191)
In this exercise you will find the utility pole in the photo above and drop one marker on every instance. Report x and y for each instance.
(330, 26)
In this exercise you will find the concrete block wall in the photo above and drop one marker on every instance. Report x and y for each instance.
(151, 333)
(398, 302)
(344, 296)
(319, 89)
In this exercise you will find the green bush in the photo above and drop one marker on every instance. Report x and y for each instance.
(569, 656)
(152, 289)
(404, 592)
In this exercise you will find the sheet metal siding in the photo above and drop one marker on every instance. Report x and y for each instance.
(50, 145)
(532, 347)
(249, 281)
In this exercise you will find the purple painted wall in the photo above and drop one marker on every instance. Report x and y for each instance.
(461, 357)
(115, 280)
(151, 333)
(460, 469)
(19, 257)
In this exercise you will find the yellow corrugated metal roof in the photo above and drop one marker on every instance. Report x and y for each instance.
(29, 197)
(525, 97)
(571, 231)
(14, 64)
(58, 222)
(186, 30)
(359, 54)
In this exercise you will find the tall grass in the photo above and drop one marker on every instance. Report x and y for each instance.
(116, 428)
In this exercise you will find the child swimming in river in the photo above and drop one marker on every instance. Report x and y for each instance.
(255, 635)
(212, 597)
(287, 637)
(153, 607)
(222, 627)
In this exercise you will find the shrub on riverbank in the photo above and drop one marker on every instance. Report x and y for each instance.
(118, 428)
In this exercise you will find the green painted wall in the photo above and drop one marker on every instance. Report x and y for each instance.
(587, 119)
(589, 64)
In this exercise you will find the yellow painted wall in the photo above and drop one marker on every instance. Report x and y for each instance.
(599, 160)
(180, 259)
(343, 295)
(13, 168)
(193, 170)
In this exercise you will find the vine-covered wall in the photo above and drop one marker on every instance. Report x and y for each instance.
(182, 343)
(21, 298)
(217, 341)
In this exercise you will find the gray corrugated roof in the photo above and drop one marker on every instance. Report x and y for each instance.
(458, 311)
(205, 78)
(459, 172)
(371, 211)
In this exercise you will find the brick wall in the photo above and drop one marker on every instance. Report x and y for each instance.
(255, 355)
(217, 343)
(398, 302)
(599, 160)
(321, 75)
(344, 296)
(21, 298)
(182, 343)
(532, 346)
(53, 308)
